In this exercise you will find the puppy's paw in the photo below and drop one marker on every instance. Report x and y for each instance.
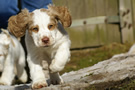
(56, 81)
(4, 82)
(54, 67)
(23, 77)
(39, 84)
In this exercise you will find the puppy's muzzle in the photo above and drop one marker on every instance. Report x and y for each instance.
(45, 40)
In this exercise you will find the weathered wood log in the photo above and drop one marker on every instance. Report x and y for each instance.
(106, 72)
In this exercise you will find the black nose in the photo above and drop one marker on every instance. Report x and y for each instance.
(45, 40)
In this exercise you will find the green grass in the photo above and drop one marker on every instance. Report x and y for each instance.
(85, 58)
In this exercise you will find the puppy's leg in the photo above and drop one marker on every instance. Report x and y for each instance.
(36, 72)
(1, 65)
(55, 79)
(61, 58)
(21, 72)
(45, 69)
(8, 71)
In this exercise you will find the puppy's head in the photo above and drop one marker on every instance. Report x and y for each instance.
(42, 24)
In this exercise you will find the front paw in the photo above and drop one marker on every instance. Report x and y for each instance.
(23, 77)
(56, 80)
(55, 68)
(39, 84)
(4, 82)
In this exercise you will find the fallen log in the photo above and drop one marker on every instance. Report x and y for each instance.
(105, 73)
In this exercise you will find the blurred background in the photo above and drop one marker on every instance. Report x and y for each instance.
(99, 30)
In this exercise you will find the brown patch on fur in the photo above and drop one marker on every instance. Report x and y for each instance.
(13, 43)
(53, 24)
(51, 27)
(34, 29)
(17, 24)
(60, 13)
(30, 23)
(43, 10)
(8, 36)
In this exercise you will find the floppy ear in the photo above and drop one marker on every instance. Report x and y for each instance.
(62, 14)
(5, 32)
(17, 24)
(9, 39)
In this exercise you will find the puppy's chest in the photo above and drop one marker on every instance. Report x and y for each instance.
(49, 54)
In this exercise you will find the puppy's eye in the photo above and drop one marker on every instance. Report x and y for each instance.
(35, 29)
(51, 27)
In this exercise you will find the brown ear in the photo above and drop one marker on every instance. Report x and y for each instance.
(17, 24)
(62, 14)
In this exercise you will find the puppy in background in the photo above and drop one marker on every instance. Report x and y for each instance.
(11, 55)
(130, 52)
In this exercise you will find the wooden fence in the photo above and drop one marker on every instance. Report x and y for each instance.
(99, 22)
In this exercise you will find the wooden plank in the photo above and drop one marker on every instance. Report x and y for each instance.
(101, 27)
(84, 36)
(111, 8)
(100, 8)
(133, 14)
(79, 9)
(102, 34)
(113, 33)
(126, 20)
(113, 19)
(95, 20)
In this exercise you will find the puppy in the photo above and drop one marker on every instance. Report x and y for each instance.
(11, 54)
(46, 40)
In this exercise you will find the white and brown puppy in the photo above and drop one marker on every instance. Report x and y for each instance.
(11, 54)
(45, 39)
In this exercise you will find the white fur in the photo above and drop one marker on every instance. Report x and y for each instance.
(57, 53)
(11, 54)
(132, 49)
